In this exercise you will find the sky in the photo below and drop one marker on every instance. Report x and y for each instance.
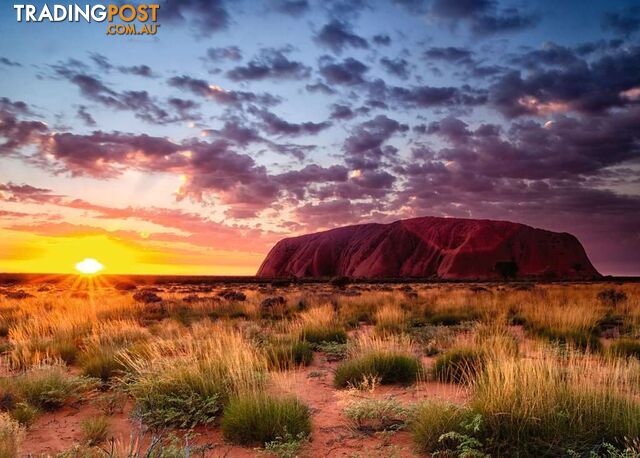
(242, 122)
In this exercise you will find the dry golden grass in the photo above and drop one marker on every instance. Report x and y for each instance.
(543, 350)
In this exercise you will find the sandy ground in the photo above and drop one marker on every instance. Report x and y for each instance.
(332, 435)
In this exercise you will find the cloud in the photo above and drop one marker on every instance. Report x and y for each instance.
(349, 72)
(381, 39)
(483, 17)
(141, 103)
(9, 63)
(365, 147)
(624, 22)
(208, 16)
(14, 132)
(86, 117)
(202, 88)
(338, 35)
(275, 125)
(397, 67)
(450, 54)
(272, 64)
(584, 86)
(220, 54)
(293, 8)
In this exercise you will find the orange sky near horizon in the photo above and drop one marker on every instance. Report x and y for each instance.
(32, 253)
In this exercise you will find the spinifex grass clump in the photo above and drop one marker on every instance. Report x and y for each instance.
(44, 388)
(11, 436)
(187, 382)
(287, 353)
(387, 360)
(458, 365)
(572, 324)
(258, 418)
(390, 319)
(374, 415)
(319, 324)
(542, 406)
(626, 348)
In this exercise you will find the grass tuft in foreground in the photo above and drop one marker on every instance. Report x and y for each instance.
(258, 418)
(388, 360)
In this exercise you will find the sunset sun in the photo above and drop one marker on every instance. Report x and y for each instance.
(89, 266)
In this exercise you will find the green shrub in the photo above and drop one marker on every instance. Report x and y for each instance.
(11, 436)
(625, 348)
(458, 365)
(285, 355)
(384, 366)
(95, 430)
(257, 419)
(373, 415)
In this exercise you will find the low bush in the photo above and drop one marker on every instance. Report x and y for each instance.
(95, 430)
(372, 415)
(458, 365)
(386, 367)
(11, 436)
(257, 419)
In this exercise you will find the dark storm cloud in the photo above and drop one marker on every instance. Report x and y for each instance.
(349, 72)
(272, 64)
(86, 117)
(9, 62)
(625, 22)
(232, 53)
(397, 67)
(338, 35)
(587, 87)
(208, 16)
(484, 17)
(202, 88)
(294, 8)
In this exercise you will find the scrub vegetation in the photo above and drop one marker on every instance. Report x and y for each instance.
(320, 369)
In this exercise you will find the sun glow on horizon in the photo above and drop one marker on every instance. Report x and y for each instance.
(89, 266)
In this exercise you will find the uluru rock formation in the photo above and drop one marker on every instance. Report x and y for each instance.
(431, 247)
